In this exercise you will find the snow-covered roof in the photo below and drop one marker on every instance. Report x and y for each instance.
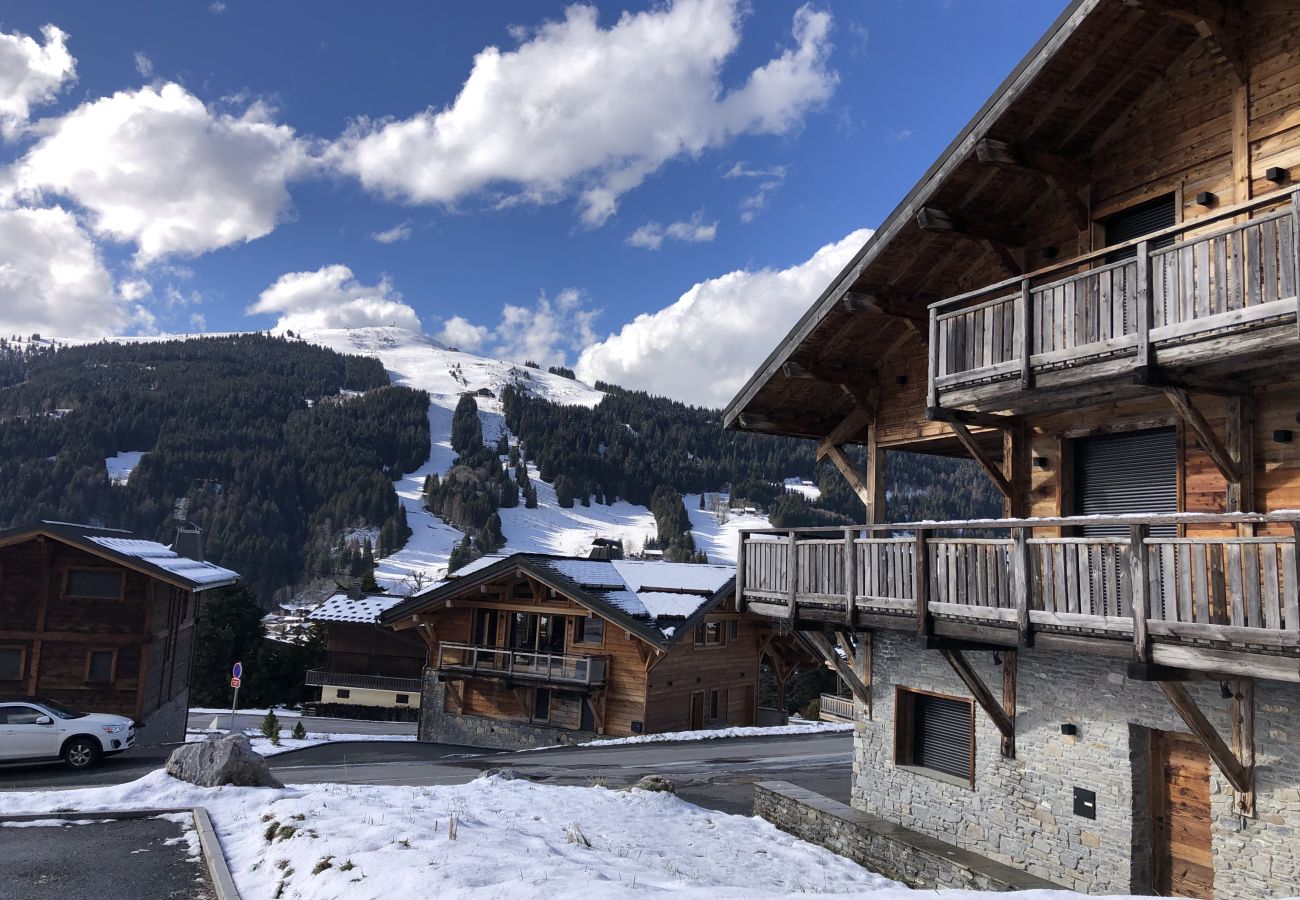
(342, 608)
(650, 574)
(167, 559)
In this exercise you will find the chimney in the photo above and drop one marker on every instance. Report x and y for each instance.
(189, 542)
(354, 587)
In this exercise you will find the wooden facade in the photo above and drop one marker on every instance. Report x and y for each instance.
(368, 668)
(97, 629)
(522, 643)
(995, 314)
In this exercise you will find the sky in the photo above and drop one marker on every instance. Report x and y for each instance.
(651, 193)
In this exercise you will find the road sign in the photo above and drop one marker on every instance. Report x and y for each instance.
(237, 670)
(234, 682)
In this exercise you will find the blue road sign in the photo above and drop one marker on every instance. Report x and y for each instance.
(237, 670)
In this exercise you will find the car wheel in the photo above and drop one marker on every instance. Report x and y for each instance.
(81, 753)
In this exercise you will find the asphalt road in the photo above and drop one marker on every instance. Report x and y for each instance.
(201, 721)
(717, 773)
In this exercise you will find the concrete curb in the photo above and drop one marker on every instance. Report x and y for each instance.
(218, 869)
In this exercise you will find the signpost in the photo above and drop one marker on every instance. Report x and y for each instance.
(236, 675)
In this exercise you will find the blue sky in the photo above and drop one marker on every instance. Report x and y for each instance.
(188, 162)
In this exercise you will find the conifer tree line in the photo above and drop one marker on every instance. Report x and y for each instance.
(468, 496)
(256, 431)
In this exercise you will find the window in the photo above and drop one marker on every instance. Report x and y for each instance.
(935, 733)
(541, 704)
(21, 715)
(100, 665)
(403, 699)
(12, 660)
(485, 627)
(713, 704)
(95, 584)
(733, 629)
(342, 693)
(1136, 221)
(588, 630)
(708, 634)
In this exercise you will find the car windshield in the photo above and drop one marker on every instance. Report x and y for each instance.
(60, 710)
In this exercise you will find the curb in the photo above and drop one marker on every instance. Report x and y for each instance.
(218, 869)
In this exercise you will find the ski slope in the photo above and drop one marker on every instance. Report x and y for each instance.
(419, 361)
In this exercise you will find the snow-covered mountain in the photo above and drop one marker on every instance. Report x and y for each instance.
(421, 362)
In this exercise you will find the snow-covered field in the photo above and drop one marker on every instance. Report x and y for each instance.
(800, 726)
(421, 362)
(262, 745)
(122, 465)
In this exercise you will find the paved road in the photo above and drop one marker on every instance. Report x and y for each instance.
(716, 774)
(200, 721)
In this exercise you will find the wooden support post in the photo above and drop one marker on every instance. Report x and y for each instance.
(1240, 434)
(985, 461)
(932, 390)
(1295, 252)
(1243, 740)
(850, 575)
(1004, 722)
(1182, 403)
(792, 572)
(1292, 603)
(740, 572)
(1200, 727)
(875, 481)
(1139, 579)
(1145, 360)
(1026, 336)
(1009, 659)
(1022, 584)
(921, 584)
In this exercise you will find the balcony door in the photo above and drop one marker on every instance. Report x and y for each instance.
(536, 632)
(1132, 472)
(1136, 221)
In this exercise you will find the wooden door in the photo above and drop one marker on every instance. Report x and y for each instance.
(1180, 809)
(697, 710)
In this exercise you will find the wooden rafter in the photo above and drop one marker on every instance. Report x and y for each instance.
(876, 304)
(991, 468)
(996, 240)
(850, 472)
(1106, 94)
(1064, 176)
(1219, 20)
(1210, 442)
(851, 428)
(1003, 719)
(826, 650)
(1239, 776)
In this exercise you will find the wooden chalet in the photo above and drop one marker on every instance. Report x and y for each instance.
(535, 650)
(102, 621)
(370, 671)
(1093, 294)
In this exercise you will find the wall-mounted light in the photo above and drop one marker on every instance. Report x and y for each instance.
(1042, 462)
(1276, 174)
(997, 657)
(1206, 198)
(1282, 436)
(1069, 729)
(1225, 690)
(1051, 252)
(900, 380)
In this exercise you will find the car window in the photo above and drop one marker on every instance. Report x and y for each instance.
(22, 715)
(59, 709)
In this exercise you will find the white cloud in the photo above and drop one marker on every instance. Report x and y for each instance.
(580, 109)
(702, 348)
(198, 322)
(143, 65)
(52, 280)
(134, 289)
(546, 332)
(217, 7)
(166, 172)
(463, 334)
(331, 297)
(31, 74)
(651, 235)
(745, 170)
(772, 178)
(392, 235)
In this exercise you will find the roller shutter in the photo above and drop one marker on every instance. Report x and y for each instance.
(1118, 474)
(1138, 220)
(943, 735)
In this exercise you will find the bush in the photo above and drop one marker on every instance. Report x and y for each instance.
(299, 733)
(271, 727)
(813, 709)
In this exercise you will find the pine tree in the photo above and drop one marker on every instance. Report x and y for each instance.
(466, 428)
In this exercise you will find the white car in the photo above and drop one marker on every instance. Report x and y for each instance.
(34, 730)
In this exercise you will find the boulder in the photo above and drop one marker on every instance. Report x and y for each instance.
(505, 773)
(221, 760)
(655, 783)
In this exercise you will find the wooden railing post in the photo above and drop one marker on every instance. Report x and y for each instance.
(932, 388)
(850, 575)
(740, 572)
(1292, 605)
(1026, 336)
(792, 575)
(1022, 584)
(1295, 252)
(1145, 359)
(921, 583)
(1139, 575)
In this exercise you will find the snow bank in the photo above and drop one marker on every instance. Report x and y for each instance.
(797, 727)
(263, 745)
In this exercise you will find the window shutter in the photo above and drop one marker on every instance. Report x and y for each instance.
(1134, 472)
(943, 735)
(1136, 221)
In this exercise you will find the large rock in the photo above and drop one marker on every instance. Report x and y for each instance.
(218, 761)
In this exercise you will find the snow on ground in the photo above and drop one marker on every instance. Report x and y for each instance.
(493, 838)
(421, 362)
(803, 486)
(798, 726)
(122, 465)
(281, 712)
(263, 746)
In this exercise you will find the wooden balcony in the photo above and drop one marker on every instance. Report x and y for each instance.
(837, 709)
(1224, 604)
(461, 660)
(322, 678)
(1203, 293)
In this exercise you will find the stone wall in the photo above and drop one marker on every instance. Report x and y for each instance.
(917, 860)
(439, 726)
(166, 724)
(1020, 811)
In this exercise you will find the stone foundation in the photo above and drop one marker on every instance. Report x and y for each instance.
(166, 725)
(439, 726)
(917, 860)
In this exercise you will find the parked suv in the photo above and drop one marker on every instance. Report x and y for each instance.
(34, 730)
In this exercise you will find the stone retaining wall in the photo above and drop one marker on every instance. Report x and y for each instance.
(439, 726)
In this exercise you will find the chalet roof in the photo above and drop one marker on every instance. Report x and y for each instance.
(659, 601)
(1066, 98)
(150, 557)
(365, 610)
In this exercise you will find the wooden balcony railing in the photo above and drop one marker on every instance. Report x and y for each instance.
(837, 709)
(1234, 591)
(321, 678)
(1206, 284)
(526, 665)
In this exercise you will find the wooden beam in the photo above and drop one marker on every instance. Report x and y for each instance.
(1232, 768)
(1243, 740)
(1009, 659)
(986, 462)
(1064, 176)
(851, 474)
(849, 430)
(1147, 376)
(971, 417)
(826, 650)
(1182, 403)
(1004, 722)
(1222, 21)
(996, 240)
(858, 302)
(1240, 445)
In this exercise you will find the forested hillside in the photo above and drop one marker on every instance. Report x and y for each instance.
(280, 446)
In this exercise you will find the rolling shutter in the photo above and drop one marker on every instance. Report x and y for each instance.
(1120, 474)
(1138, 220)
(943, 735)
